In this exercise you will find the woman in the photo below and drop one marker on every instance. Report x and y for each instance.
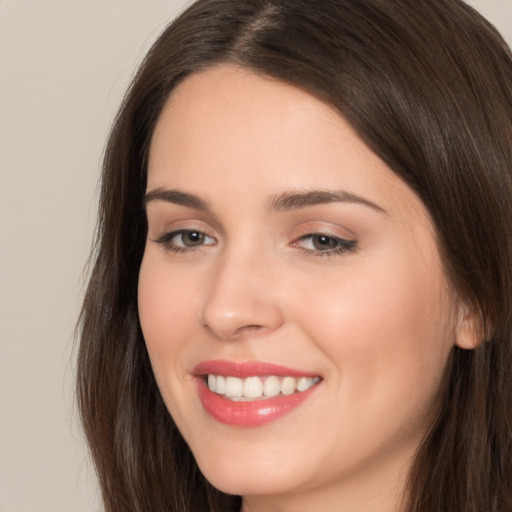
(301, 294)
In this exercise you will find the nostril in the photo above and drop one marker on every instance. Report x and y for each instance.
(235, 307)
(233, 334)
(251, 328)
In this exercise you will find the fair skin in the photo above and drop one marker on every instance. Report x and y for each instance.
(348, 287)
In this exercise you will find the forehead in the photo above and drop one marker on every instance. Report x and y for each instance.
(235, 106)
(254, 133)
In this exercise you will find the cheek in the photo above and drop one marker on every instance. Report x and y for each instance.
(166, 311)
(387, 331)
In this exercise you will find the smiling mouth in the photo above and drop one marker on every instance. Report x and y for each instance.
(258, 388)
(252, 393)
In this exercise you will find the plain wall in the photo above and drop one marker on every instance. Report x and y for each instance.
(64, 66)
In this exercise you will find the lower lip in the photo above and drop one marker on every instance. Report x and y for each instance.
(249, 414)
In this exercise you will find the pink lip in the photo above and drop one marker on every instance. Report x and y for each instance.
(244, 369)
(248, 414)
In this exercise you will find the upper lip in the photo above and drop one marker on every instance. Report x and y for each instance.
(244, 369)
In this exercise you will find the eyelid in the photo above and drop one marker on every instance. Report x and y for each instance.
(324, 228)
(339, 239)
(166, 237)
(342, 245)
(162, 216)
(161, 224)
(344, 239)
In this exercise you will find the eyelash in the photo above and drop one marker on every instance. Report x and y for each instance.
(343, 245)
(166, 240)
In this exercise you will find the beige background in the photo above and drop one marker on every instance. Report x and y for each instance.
(64, 65)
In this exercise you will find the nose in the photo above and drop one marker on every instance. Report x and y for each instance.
(241, 298)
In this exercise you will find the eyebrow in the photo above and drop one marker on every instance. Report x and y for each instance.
(286, 201)
(176, 197)
(298, 200)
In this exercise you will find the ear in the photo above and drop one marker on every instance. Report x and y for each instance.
(469, 334)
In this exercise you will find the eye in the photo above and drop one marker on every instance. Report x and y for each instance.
(322, 244)
(184, 240)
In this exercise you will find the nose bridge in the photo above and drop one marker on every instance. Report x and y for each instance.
(241, 295)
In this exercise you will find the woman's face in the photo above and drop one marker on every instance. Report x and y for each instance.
(286, 264)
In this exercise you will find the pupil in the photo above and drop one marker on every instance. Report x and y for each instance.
(323, 242)
(193, 238)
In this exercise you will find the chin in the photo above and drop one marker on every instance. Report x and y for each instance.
(262, 483)
(247, 475)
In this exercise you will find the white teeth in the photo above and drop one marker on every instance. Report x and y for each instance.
(304, 383)
(288, 385)
(212, 381)
(235, 388)
(253, 387)
(272, 386)
(220, 384)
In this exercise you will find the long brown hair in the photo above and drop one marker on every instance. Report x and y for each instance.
(427, 84)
